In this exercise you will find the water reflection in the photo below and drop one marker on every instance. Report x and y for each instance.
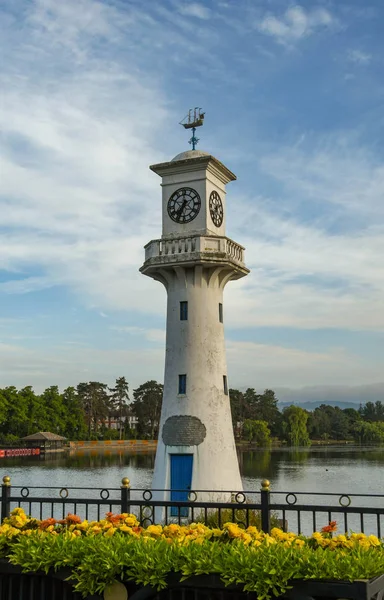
(340, 469)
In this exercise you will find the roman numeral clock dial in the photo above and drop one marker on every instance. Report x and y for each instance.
(216, 208)
(184, 205)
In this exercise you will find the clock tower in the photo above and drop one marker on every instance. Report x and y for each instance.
(194, 260)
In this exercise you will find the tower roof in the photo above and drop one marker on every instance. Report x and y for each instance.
(193, 160)
(190, 154)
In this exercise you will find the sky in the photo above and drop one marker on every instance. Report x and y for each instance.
(92, 92)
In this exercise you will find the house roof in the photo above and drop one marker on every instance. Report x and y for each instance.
(44, 435)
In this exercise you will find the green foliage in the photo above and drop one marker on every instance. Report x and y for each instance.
(257, 432)
(268, 569)
(252, 406)
(296, 432)
(368, 433)
(239, 515)
(86, 412)
(118, 401)
(147, 408)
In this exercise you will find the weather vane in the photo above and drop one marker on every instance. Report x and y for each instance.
(194, 118)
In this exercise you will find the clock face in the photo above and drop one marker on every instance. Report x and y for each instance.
(184, 205)
(216, 208)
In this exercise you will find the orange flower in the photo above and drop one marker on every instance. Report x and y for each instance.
(47, 523)
(72, 519)
(114, 519)
(330, 528)
(137, 529)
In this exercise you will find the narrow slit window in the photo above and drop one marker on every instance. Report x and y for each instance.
(183, 311)
(220, 313)
(225, 382)
(182, 384)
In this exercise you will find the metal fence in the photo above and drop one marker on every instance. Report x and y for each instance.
(300, 512)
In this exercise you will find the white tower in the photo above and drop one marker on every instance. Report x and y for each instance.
(194, 260)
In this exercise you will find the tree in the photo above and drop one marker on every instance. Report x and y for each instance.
(238, 410)
(37, 417)
(295, 426)
(250, 403)
(147, 408)
(368, 433)
(4, 404)
(95, 403)
(353, 416)
(319, 423)
(75, 427)
(52, 402)
(372, 411)
(119, 400)
(16, 422)
(257, 432)
(268, 411)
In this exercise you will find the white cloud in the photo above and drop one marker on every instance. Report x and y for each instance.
(69, 364)
(315, 249)
(262, 366)
(194, 9)
(76, 192)
(359, 57)
(295, 24)
(152, 335)
(26, 285)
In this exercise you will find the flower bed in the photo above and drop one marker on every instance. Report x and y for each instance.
(118, 549)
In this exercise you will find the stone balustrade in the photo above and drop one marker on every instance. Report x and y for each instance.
(201, 244)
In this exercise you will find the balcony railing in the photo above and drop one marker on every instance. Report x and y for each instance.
(191, 244)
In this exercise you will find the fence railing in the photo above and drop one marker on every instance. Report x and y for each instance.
(301, 512)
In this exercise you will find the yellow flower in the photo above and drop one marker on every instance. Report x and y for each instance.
(374, 541)
(125, 529)
(83, 526)
(232, 529)
(341, 538)
(300, 543)
(154, 531)
(76, 533)
(246, 538)
(269, 539)
(94, 530)
(131, 521)
(109, 532)
(217, 532)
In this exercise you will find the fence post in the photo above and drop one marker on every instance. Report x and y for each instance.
(5, 495)
(265, 514)
(125, 495)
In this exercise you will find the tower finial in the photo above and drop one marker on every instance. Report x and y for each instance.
(194, 118)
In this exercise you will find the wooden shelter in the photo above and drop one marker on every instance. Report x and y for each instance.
(46, 441)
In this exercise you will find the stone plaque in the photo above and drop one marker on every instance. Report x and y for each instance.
(183, 430)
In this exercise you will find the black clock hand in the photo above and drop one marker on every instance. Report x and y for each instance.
(180, 210)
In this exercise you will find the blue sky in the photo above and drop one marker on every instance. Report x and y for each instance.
(92, 93)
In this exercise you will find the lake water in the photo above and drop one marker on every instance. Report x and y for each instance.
(342, 470)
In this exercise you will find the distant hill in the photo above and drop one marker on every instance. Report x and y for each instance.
(312, 405)
(343, 396)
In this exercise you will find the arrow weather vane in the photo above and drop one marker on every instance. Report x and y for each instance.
(194, 118)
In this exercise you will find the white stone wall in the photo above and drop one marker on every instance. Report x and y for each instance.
(203, 182)
(196, 348)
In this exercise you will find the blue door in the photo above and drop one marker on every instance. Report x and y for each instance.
(181, 479)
